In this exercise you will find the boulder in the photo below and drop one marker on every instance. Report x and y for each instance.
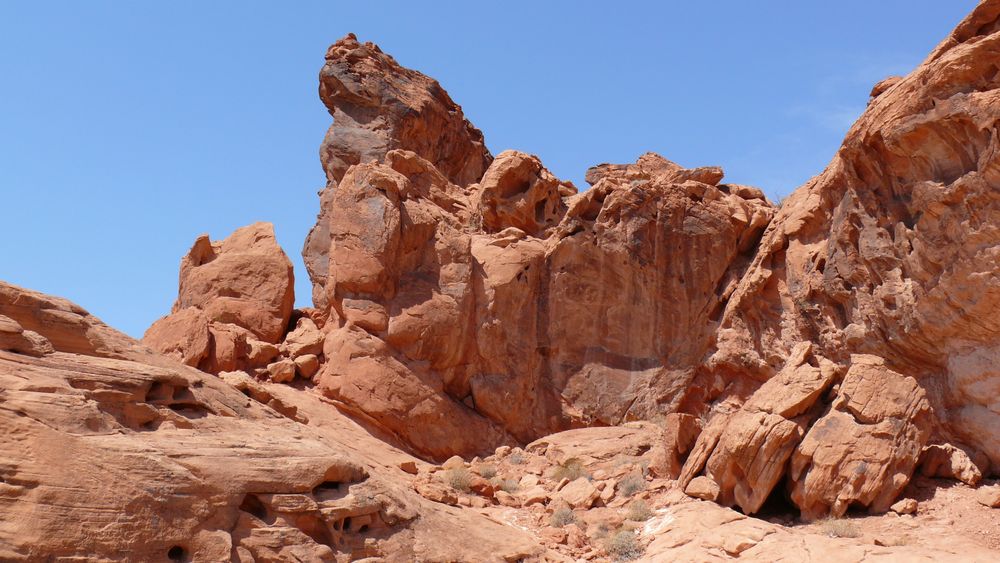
(864, 450)
(304, 339)
(234, 303)
(282, 371)
(307, 366)
(752, 446)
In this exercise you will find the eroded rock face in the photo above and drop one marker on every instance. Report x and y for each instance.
(378, 106)
(891, 251)
(511, 335)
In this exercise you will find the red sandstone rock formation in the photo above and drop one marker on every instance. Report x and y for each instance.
(465, 302)
(112, 452)
(889, 253)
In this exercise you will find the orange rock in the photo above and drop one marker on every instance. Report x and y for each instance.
(232, 294)
(865, 449)
(702, 487)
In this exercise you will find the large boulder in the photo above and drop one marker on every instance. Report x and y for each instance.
(864, 450)
(232, 293)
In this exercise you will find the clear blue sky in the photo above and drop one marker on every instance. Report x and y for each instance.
(131, 127)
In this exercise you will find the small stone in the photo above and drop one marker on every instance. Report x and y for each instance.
(579, 493)
(507, 499)
(409, 466)
(281, 371)
(534, 495)
(904, 506)
(989, 496)
(702, 487)
(307, 365)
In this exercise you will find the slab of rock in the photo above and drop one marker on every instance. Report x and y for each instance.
(747, 453)
(13, 337)
(579, 493)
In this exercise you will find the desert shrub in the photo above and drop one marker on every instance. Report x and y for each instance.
(624, 546)
(506, 485)
(488, 471)
(571, 469)
(562, 517)
(516, 458)
(459, 479)
(839, 528)
(632, 484)
(638, 511)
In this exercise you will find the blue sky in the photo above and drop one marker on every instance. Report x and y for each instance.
(131, 127)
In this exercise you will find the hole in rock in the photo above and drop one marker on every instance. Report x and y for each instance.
(252, 505)
(346, 524)
(778, 506)
(188, 411)
(159, 391)
(540, 212)
(176, 553)
(362, 528)
(326, 487)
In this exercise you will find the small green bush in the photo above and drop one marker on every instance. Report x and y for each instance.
(562, 517)
(624, 546)
(638, 511)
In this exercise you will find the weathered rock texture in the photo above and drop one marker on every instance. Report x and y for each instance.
(112, 452)
(886, 263)
(508, 333)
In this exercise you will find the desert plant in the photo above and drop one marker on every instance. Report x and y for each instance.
(571, 469)
(459, 479)
(516, 458)
(506, 485)
(562, 517)
(487, 471)
(624, 546)
(839, 528)
(632, 484)
(638, 511)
